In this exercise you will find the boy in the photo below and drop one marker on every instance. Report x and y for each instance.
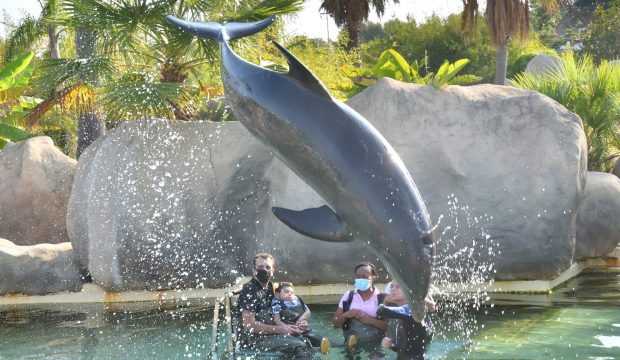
(289, 309)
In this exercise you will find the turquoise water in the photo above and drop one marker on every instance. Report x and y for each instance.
(579, 320)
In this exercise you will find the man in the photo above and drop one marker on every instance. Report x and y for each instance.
(257, 330)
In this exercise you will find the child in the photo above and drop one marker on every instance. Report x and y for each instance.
(405, 336)
(289, 309)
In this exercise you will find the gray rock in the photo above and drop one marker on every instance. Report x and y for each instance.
(35, 183)
(616, 169)
(486, 161)
(598, 231)
(543, 64)
(188, 204)
(38, 269)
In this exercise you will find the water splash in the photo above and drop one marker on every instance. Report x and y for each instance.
(463, 270)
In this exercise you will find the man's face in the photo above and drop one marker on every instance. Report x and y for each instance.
(264, 264)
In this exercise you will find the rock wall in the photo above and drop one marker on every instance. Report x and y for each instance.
(166, 205)
(38, 269)
(35, 183)
(598, 230)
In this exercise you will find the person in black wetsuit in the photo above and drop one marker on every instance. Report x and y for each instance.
(407, 337)
(257, 329)
(289, 309)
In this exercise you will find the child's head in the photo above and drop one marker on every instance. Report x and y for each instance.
(396, 293)
(285, 291)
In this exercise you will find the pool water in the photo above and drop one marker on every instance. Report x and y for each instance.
(579, 320)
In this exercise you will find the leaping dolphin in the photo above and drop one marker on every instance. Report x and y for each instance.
(337, 152)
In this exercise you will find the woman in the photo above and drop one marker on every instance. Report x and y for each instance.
(357, 311)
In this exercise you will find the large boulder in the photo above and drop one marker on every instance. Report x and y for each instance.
(513, 158)
(543, 64)
(598, 231)
(181, 205)
(35, 183)
(38, 269)
(164, 205)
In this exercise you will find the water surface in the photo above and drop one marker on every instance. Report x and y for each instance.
(579, 320)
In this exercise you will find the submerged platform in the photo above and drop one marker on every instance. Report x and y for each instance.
(498, 291)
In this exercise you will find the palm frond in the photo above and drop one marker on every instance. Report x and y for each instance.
(593, 93)
(24, 37)
(132, 97)
(249, 11)
(53, 73)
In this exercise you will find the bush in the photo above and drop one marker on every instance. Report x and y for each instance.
(593, 93)
(603, 37)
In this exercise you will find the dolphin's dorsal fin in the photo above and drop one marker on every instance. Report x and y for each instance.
(300, 72)
(318, 223)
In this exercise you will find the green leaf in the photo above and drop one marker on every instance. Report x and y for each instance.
(3, 142)
(457, 66)
(8, 74)
(28, 102)
(443, 70)
(13, 133)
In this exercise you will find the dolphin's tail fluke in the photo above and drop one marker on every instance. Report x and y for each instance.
(219, 32)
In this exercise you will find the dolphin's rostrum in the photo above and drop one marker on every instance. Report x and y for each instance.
(337, 152)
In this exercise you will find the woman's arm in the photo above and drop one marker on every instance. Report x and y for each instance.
(340, 317)
(369, 320)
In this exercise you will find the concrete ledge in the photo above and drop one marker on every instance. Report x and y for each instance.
(316, 294)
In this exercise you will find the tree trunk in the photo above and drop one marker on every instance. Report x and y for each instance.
(354, 27)
(51, 33)
(501, 63)
(90, 123)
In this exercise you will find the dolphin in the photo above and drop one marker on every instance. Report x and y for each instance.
(371, 195)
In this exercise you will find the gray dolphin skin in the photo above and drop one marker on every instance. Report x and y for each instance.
(372, 196)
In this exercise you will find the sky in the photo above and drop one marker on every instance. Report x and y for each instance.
(308, 22)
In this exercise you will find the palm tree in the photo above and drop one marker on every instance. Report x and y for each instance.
(31, 30)
(131, 63)
(351, 15)
(506, 20)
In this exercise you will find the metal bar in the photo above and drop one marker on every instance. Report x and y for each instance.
(229, 332)
(216, 316)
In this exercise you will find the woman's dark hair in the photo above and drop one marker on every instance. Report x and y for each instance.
(369, 264)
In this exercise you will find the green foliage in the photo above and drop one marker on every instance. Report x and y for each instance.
(216, 111)
(439, 39)
(520, 54)
(393, 65)
(14, 74)
(593, 93)
(330, 62)
(13, 80)
(135, 95)
(603, 38)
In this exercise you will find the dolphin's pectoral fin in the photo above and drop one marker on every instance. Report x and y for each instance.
(319, 223)
(298, 71)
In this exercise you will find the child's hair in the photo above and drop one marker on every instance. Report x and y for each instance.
(282, 285)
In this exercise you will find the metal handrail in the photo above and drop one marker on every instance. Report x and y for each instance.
(216, 318)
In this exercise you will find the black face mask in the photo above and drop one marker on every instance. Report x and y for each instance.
(263, 275)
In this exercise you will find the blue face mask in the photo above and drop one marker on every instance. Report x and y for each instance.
(362, 284)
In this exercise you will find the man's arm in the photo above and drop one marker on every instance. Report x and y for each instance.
(305, 316)
(251, 325)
